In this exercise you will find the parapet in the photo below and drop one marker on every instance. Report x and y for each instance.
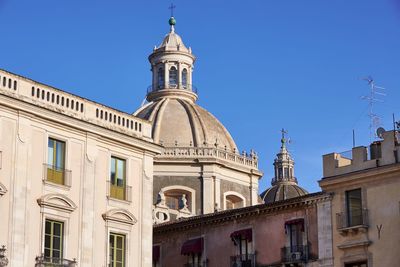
(379, 153)
(56, 100)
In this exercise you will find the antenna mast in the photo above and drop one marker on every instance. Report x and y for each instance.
(373, 97)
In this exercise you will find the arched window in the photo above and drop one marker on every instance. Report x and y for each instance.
(184, 78)
(233, 202)
(160, 78)
(173, 77)
(177, 199)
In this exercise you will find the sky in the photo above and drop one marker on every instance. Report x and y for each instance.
(261, 65)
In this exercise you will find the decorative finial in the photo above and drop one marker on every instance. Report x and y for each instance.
(283, 140)
(172, 20)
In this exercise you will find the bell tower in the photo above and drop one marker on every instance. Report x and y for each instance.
(172, 67)
(284, 165)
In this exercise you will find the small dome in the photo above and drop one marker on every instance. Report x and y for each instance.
(282, 191)
(181, 122)
(172, 42)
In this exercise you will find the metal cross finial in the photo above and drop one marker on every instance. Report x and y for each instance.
(283, 131)
(172, 7)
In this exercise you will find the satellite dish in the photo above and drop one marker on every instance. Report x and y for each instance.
(380, 131)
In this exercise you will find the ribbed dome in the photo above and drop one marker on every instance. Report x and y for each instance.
(172, 42)
(282, 191)
(181, 122)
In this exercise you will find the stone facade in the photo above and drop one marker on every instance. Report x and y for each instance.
(365, 204)
(76, 195)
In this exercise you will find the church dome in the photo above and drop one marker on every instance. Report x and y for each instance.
(181, 122)
(282, 191)
(284, 184)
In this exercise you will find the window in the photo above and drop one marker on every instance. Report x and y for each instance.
(184, 78)
(193, 249)
(160, 78)
(296, 237)
(117, 250)
(233, 202)
(56, 161)
(53, 240)
(242, 239)
(354, 207)
(118, 178)
(173, 76)
(174, 199)
(357, 264)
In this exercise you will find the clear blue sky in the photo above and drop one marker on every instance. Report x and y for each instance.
(262, 65)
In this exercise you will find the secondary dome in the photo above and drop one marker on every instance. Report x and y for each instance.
(284, 184)
(181, 122)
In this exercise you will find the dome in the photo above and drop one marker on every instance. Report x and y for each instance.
(282, 191)
(172, 42)
(181, 122)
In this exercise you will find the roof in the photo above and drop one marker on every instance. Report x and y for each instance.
(282, 191)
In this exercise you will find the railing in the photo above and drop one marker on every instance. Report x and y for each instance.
(352, 219)
(292, 179)
(244, 260)
(71, 105)
(180, 86)
(119, 192)
(205, 152)
(294, 254)
(56, 175)
(42, 261)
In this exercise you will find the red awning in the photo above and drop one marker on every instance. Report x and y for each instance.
(156, 253)
(192, 246)
(244, 233)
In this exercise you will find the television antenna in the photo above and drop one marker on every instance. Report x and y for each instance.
(375, 96)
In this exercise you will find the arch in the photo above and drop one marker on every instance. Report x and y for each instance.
(3, 189)
(185, 78)
(57, 201)
(160, 77)
(191, 194)
(234, 197)
(173, 77)
(119, 216)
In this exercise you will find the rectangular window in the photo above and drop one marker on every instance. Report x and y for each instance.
(117, 250)
(118, 178)
(296, 237)
(53, 241)
(354, 207)
(56, 161)
(357, 264)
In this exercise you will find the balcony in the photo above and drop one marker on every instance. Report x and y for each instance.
(119, 192)
(353, 222)
(180, 86)
(56, 175)
(295, 254)
(42, 261)
(244, 260)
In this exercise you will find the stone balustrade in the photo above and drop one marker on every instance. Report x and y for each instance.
(71, 105)
(206, 152)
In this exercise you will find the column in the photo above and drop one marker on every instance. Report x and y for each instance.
(179, 75)
(166, 76)
(208, 194)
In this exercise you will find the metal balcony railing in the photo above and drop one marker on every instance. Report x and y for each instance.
(188, 87)
(56, 175)
(352, 218)
(244, 260)
(119, 192)
(42, 261)
(295, 254)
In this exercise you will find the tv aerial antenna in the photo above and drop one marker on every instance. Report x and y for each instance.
(376, 93)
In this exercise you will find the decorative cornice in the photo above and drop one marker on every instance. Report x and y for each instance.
(57, 201)
(119, 216)
(241, 213)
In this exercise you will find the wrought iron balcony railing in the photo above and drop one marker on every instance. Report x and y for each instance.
(56, 175)
(295, 254)
(181, 86)
(42, 261)
(244, 260)
(352, 218)
(123, 192)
